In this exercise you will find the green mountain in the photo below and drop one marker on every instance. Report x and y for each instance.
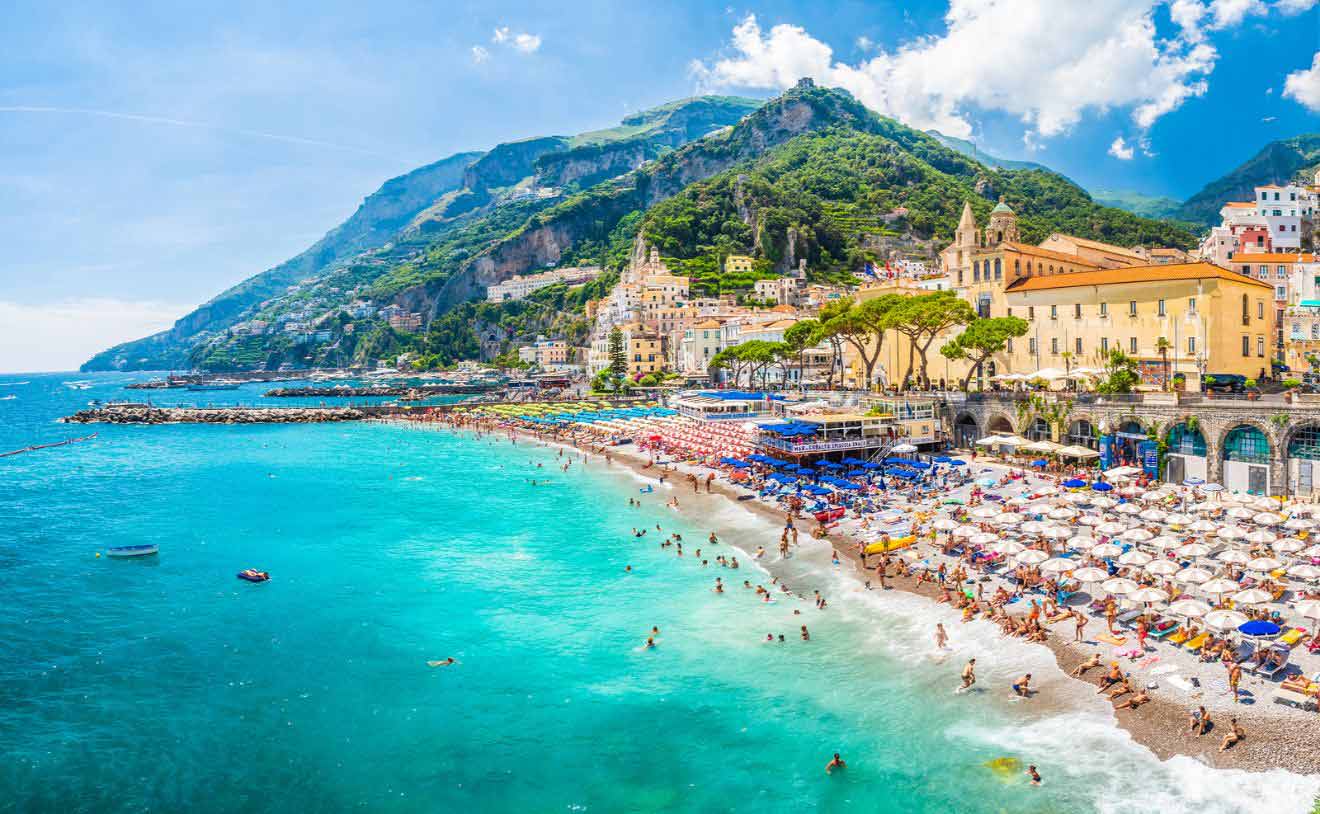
(970, 150)
(811, 174)
(1279, 162)
(1138, 203)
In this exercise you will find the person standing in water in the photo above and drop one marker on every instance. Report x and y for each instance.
(941, 637)
(969, 675)
(835, 763)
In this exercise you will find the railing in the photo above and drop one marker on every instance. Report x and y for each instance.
(822, 446)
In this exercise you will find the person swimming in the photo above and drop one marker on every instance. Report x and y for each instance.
(835, 763)
(442, 663)
(1033, 774)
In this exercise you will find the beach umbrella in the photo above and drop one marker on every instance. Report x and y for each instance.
(1310, 608)
(1313, 552)
(1239, 512)
(1062, 513)
(1033, 527)
(1267, 519)
(1057, 565)
(1251, 596)
(1230, 533)
(1104, 502)
(1192, 550)
(1258, 628)
(1219, 585)
(1039, 507)
(985, 512)
(1089, 520)
(1105, 550)
(945, 524)
(1224, 619)
(1127, 508)
(1153, 515)
(1164, 542)
(1288, 545)
(957, 462)
(1194, 576)
(903, 448)
(1056, 532)
(1298, 524)
(1149, 595)
(982, 538)
(1264, 564)
(1009, 548)
(1102, 487)
(1110, 528)
(1079, 498)
(1189, 608)
(1074, 483)
(1090, 574)
(1163, 568)
(1134, 557)
(1233, 555)
(1119, 586)
(1202, 526)
(1178, 519)
(966, 531)
(1261, 537)
(1136, 535)
(1006, 519)
(1031, 557)
(1304, 571)
(1212, 487)
(1080, 543)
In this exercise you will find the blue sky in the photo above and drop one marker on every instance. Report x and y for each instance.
(153, 154)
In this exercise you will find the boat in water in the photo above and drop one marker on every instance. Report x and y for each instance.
(214, 386)
(81, 385)
(253, 575)
(132, 551)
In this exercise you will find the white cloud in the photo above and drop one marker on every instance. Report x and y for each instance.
(1229, 13)
(479, 54)
(62, 335)
(1303, 85)
(1121, 150)
(864, 43)
(501, 34)
(518, 41)
(1288, 8)
(1048, 69)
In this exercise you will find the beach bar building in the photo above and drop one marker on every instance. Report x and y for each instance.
(724, 405)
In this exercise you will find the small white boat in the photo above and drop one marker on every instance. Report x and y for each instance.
(132, 551)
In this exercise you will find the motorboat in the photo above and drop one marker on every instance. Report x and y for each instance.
(132, 551)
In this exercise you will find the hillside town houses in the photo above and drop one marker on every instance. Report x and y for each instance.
(1246, 302)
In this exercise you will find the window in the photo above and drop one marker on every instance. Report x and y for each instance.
(999, 269)
(1246, 312)
(1280, 293)
(1031, 313)
(1191, 346)
(1315, 330)
(1077, 310)
(1132, 308)
(1054, 312)
(1260, 309)
(1010, 344)
(1161, 311)
(1104, 345)
(1010, 311)
(1132, 345)
(1246, 345)
(1191, 305)
(1281, 272)
(1031, 347)
(1263, 271)
(1260, 346)
(1017, 268)
(1054, 346)
(1078, 348)
(1104, 309)
(976, 271)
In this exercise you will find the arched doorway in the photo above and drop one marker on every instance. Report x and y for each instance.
(1000, 424)
(965, 431)
(1039, 430)
(1081, 433)
(1246, 458)
(1126, 439)
(1186, 457)
(1303, 453)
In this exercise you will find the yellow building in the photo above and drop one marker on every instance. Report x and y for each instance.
(737, 263)
(646, 350)
(1211, 320)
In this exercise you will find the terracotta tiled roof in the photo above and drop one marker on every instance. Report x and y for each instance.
(1025, 248)
(1241, 204)
(1133, 274)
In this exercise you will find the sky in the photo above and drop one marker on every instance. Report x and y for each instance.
(153, 154)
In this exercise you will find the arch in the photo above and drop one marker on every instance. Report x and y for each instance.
(1039, 430)
(1081, 433)
(999, 423)
(1246, 443)
(1017, 268)
(1304, 443)
(999, 268)
(1185, 440)
(976, 271)
(965, 430)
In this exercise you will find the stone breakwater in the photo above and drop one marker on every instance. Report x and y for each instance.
(144, 414)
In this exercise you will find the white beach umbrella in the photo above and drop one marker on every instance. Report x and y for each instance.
(1134, 557)
(1153, 516)
(945, 524)
(1288, 545)
(1164, 542)
(1189, 608)
(1119, 586)
(1239, 512)
(1163, 568)
(1179, 519)
(982, 538)
(1194, 576)
(1009, 548)
(1057, 565)
(985, 512)
(1040, 507)
(1088, 520)
(1031, 557)
(1222, 620)
(1006, 519)
(1230, 533)
(1103, 502)
(1252, 596)
(1063, 513)
(1261, 537)
(1313, 552)
(1149, 595)
(1033, 527)
(1267, 519)
(904, 448)
(1080, 542)
(1193, 550)
(1202, 526)
(1057, 532)
(1233, 555)
(1264, 564)
(1211, 487)
(1310, 608)
(1111, 528)
(1136, 535)
(1128, 508)
(1106, 550)
(1090, 574)
(1219, 586)
(1298, 524)
(1304, 571)
(1266, 504)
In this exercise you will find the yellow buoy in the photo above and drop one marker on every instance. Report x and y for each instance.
(1004, 766)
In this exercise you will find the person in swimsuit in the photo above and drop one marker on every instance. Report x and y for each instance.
(969, 674)
(941, 638)
(1023, 686)
(835, 763)
(443, 663)
(1080, 669)
(1199, 721)
(650, 642)
(1111, 678)
(806, 637)
(719, 586)
(1034, 775)
(1235, 734)
(1138, 698)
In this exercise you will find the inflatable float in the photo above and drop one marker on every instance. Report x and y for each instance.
(253, 575)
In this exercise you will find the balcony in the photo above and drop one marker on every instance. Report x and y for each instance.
(805, 447)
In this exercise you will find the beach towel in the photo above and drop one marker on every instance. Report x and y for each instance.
(1107, 639)
(1180, 682)
(1163, 668)
(1148, 662)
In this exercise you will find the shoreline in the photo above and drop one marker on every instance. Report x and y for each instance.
(1274, 741)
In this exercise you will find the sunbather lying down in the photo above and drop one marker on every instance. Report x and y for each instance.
(1138, 698)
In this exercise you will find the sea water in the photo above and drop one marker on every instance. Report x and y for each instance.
(167, 684)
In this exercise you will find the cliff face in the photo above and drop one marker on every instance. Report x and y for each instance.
(509, 163)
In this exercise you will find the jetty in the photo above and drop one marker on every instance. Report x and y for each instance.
(147, 414)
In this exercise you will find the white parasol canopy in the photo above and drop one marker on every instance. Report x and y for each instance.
(1032, 557)
(1252, 596)
(1194, 576)
(1090, 574)
(1149, 595)
(1136, 535)
(1134, 557)
(1225, 619)
(1193, 550)
(1118, 585)
(1106, 550)
(1057, 565)
(1220, 585)
(1163, 568)
(1264, 564)
(1190, 608)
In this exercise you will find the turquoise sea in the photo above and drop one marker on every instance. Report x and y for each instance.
(170, 685)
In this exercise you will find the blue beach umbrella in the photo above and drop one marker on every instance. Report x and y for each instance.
(1041, 462)
(957, 462)
(871, 465)
(1101, 486)
(941, 459)
(1074, 483)
(1258, 628)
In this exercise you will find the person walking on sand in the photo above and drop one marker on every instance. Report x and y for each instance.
(709, 478)
(1080, 629)
(1234, 678)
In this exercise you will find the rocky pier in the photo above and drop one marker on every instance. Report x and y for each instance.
(146, 414)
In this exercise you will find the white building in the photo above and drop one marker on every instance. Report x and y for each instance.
(515, 288)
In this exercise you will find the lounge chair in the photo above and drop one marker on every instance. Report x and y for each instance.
(1126, 619)
(1197, 643)
(1293, 636)
(1182, 634)
(1156, 632)
(1271, 670)
(1243, 651)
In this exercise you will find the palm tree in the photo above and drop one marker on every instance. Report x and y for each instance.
(1164, 346)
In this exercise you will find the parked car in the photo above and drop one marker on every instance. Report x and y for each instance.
(1225, 382)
